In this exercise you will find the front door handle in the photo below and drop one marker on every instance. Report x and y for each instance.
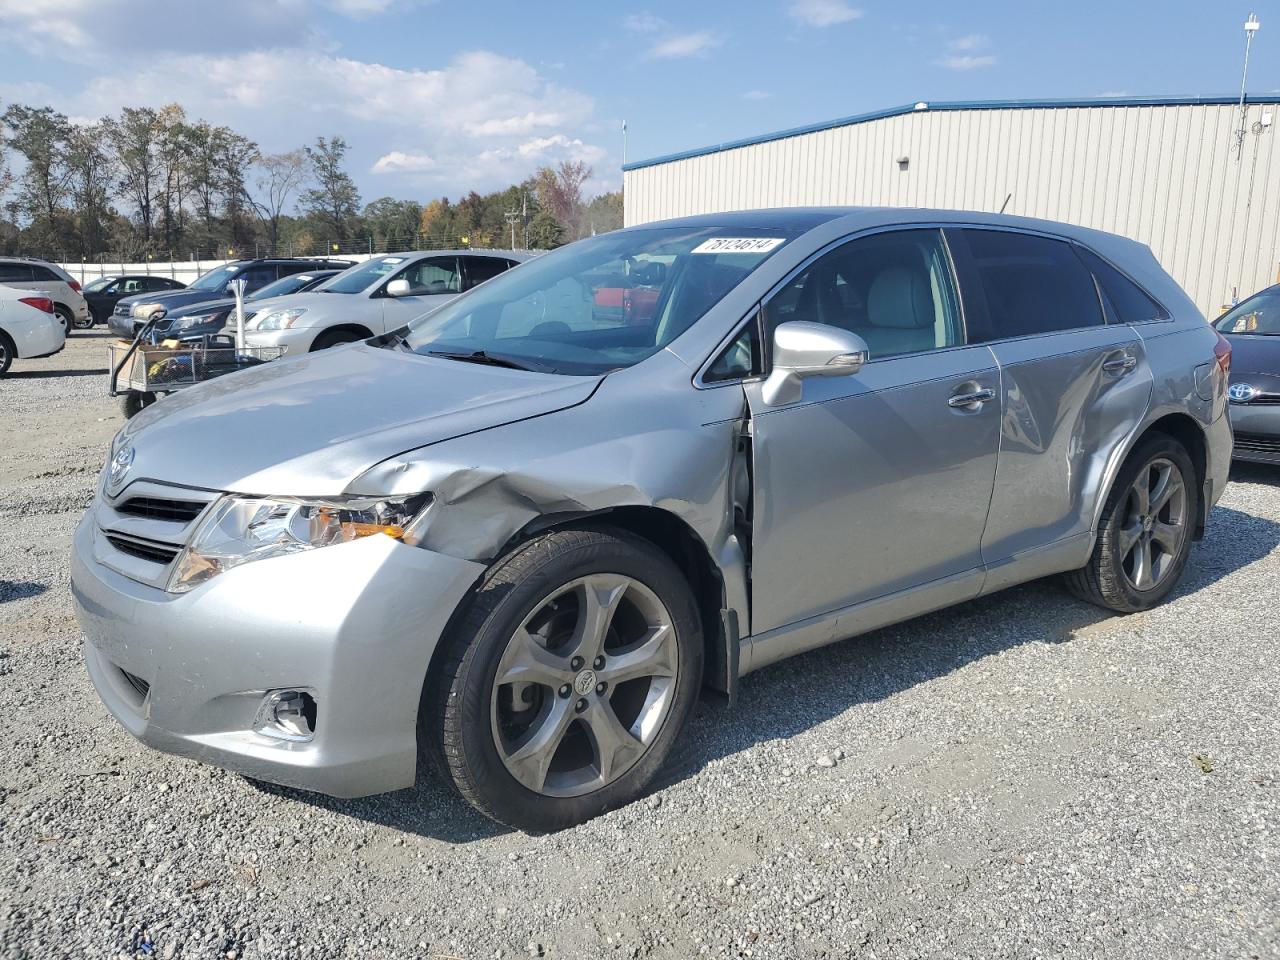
(1122, 364)
(971, 399)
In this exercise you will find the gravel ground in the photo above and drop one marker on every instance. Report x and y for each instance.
(1021, 776)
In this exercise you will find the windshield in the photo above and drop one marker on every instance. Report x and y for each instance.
(216, 279)
(599, 304)
(1259, 315)
(93, 286)
(356, 279)
(283, 286)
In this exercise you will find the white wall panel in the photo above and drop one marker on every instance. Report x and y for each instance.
(1166, 175)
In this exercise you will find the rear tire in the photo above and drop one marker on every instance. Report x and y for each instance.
(66, 317)
(584, 724)
(334, 338)
(1145, 532)
(7, 352)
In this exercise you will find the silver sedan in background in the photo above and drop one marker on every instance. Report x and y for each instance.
(515, 538)
(373, 297)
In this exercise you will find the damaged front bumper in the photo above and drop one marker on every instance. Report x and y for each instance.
(353, 625)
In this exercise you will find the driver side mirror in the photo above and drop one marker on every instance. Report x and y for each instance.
(802, 350)
(399, 288)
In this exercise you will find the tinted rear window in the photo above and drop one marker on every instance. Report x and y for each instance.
(1125, 300)
(1031, 285)
(15, 273)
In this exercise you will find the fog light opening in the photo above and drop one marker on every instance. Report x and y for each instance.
(287, 715)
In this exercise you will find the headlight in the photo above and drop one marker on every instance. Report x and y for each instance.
(144, 311)
(241, 529)
(280, 319)
(199, 320)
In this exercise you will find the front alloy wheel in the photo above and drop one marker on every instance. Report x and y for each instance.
(562, 690)
(584, 685)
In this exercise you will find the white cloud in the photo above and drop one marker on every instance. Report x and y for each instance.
(644, 23)
(398, 161)
(823, 13)
(971, 41)
(757, 95)
(682, 45)
(966, 62)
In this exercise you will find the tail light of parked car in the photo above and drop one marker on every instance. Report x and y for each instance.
(40, 303)
(1222, 353)
(74, 285)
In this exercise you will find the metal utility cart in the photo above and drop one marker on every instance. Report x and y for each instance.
(141, 370)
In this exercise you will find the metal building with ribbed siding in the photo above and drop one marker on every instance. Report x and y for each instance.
(1171, 172)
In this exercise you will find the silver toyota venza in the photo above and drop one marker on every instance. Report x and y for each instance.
(518, 536)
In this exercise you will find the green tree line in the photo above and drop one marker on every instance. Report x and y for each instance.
(156, 183)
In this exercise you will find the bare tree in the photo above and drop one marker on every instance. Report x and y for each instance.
(560, 194)
(91, 184)
(134, 141)
(279, 177)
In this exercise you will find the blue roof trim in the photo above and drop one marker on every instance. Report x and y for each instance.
(952, 105)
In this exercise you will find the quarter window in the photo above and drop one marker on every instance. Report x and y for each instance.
(15, 273)
(739, 359)
(1031, 285)
(892, 289)
(1125, 301)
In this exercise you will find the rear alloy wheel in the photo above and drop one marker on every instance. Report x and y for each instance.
(1145, 531)
(65, 317)
(85, 324)
(573, 672)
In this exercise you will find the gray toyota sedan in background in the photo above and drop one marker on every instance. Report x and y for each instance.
(1253, 329)
(517, 536)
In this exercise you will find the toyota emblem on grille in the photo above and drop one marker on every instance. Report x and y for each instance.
(120, 465)
(1242, 392)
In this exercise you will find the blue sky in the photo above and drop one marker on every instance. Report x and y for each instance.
(440, 97)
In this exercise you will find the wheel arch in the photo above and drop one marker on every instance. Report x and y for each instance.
(1186, 430)
(675, 538)
(358, 329)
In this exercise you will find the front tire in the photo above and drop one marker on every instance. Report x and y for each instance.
(334, 338)
(7, 352)
(85, 324)
(564, 686)
(1145, 532)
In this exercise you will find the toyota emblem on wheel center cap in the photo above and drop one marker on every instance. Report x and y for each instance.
(120, 465)
(585, 682)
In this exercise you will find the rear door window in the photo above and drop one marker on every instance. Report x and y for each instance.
(480, 269)
(15, 273)
(1125, 301)
(1028, 285)
(434, 276)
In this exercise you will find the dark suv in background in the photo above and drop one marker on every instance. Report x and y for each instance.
(104, 293)
(131, 312)
(211, 316)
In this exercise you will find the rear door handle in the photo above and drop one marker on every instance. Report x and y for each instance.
(1120, 364)
(972, 398)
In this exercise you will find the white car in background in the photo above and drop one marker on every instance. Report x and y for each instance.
(377, 296)
(69, 304)
(29, 328)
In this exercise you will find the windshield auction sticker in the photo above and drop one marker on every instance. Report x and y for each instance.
(739, 245)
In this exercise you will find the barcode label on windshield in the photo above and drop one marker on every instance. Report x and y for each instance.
(738, 245)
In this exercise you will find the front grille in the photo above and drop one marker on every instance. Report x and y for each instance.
(150, 550)
(1258, 443)
(157, 508)
(1264, 399)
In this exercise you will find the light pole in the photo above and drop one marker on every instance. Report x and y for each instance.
(1250, 28)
